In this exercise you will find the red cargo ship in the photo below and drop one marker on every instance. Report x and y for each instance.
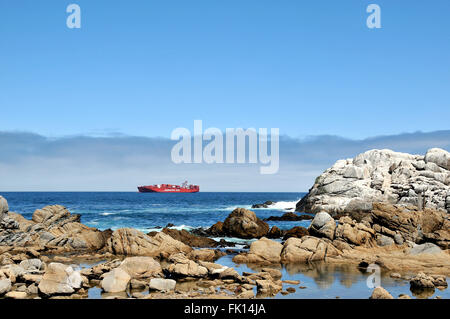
(168, 188)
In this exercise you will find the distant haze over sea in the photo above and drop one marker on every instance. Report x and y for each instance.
(32, 162)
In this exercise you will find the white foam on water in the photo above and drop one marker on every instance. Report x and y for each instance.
(287, 206)
(231, 208)
(181, 227)
(107, 214)
(148, 230)
(284, 206)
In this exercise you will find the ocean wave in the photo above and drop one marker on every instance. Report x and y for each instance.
(181, 227)
(107, 214)
(284, 206)
(231, 208)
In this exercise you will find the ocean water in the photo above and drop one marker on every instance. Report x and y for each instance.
(148, 211)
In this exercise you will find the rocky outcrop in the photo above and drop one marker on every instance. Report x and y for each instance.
(51, 226)
(241, 223)
(128, 241)
(411, 224)
(262, 251)
(352, 185)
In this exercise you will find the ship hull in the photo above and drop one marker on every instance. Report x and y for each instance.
(152, 189)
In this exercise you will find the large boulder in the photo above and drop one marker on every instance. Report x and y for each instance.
(262, 251)
(60, 279)
(323, 225)
(141, 267)
(352, 185)
(307, 249)
(128, 241)
(115, 281)
(243, 223)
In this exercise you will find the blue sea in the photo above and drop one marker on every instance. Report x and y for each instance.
(149, 211)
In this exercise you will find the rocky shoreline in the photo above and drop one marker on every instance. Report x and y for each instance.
(407, 236)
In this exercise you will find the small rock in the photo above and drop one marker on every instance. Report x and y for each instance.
(291, 290)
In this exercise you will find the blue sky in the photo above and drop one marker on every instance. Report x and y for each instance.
(138, 69)
(146, 67)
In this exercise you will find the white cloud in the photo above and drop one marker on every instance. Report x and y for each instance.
(120, 163)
